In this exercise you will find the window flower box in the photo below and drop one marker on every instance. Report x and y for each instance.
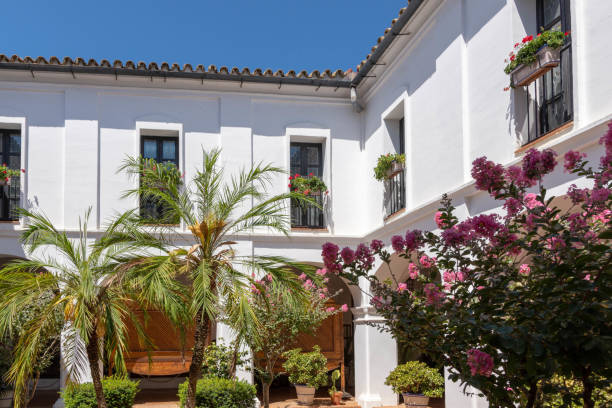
(310, 185)
(534, 57)
(6, 174)
(396, 168)
(546, 59)
(389, 165)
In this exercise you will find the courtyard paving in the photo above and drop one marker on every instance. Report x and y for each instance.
(167, 398)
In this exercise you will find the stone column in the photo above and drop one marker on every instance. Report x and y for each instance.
(375, 357)
(226, 336)
(455, 397)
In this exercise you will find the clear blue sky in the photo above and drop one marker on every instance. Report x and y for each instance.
(277, 34)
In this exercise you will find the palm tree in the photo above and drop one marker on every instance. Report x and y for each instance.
(95, 285)
(216, 210)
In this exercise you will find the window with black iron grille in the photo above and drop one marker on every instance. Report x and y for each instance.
(162, 149)
(396, 185)
(306, 159)
(10, 155)
(554, 89)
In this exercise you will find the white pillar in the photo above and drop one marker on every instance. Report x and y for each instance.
(226, 335)
(375, 357)
(455, 397)
(73, 361)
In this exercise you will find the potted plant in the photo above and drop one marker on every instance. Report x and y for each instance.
(310, 185)
(6, 174)
(334, 394)
(307, 372)
(389, 165)
(533, 57)
(416, 382)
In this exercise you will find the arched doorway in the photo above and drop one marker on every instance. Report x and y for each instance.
(334, 337)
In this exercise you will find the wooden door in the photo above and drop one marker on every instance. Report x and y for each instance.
(168, 356)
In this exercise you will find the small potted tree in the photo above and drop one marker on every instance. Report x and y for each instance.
(307, 372)
(389, 165)
(534, 56)
(334, 394)
(416, 382)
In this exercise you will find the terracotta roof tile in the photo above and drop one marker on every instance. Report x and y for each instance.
(329, 77)
(381, 38)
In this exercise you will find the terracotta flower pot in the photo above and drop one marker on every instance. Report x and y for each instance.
(546, 59)
(6, 399)
(336, 398)
(396, 168)
(305, 394)
(415, 400)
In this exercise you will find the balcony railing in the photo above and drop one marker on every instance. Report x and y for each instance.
(9, 200)
(308, 215)
(395, 193)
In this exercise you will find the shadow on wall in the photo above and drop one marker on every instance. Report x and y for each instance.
(455, 19)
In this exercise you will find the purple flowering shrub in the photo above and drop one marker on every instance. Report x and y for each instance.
(505, 302)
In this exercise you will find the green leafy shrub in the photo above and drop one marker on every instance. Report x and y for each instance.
(119, 393)
(213, 392)
(307, 185)
(564, 392)
(221, 361)
(416, 377)
(525, 51)
(306, 368)
(384, 164)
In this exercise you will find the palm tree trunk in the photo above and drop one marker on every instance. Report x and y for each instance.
(93, 354)
(202, 323)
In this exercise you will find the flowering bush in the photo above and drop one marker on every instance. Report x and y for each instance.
(384, 164)
(307, 185)
(282, 317)
(525, 51)
(6, 173)
(524, 295)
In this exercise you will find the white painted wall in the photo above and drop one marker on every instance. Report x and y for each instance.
(446, 77)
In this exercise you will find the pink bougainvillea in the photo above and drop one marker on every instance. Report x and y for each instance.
(480, 363)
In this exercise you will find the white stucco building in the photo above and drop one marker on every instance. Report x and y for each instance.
(432, 87)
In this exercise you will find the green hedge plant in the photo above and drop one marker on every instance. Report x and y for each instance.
(221, 360)
(214, 392)
(308, 369)
(119, 393)
(416, 377)
(384, 164)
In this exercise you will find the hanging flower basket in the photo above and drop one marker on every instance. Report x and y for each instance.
(546, 59)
